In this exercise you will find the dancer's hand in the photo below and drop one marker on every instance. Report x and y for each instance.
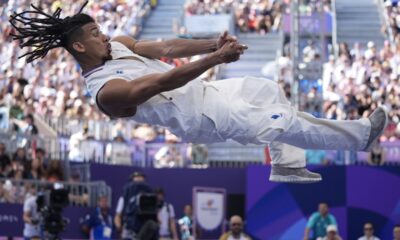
(224, 38)
(230, 52)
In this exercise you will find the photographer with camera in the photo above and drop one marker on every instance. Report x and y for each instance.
(31, 218)
(136, 212)
(98, 224)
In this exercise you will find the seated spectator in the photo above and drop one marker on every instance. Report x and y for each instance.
(5, 162)
(20, 156)
(54, 172)
(377, 154)
(368, 232)
(236, 230)
(40, 154)
(36, 170)
(198, 153)
(98, 224)
(318, 222)
(14, 185)
(331, 233)
(168, 156)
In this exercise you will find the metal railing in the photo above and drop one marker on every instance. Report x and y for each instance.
(80, 194)
(335, 45)
(162, 155)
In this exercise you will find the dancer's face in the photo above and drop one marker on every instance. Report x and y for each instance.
(93, 43)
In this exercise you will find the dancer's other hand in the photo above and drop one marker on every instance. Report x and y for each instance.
(230, 52)
(224, 38)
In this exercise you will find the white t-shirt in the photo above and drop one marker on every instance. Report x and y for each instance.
(120, 205)
(242, 237)
(30, 206)
(163, 217)
(371, 238)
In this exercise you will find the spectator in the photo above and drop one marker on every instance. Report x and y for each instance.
(30, 127)
(396, 232)
(31, 219)
(168, 156)
(316, 157)
(377, 154)
(20, 156)
(14, 185)
(54, 172)
(186, 224)
(331, 233)
(5, 162)
(4, 194)
(98, 224)
(166, 217)
(198, 154)
(40, 154)
(36, 170)
(318, 222)
(75, 151)
(236, 230)
(368, 232)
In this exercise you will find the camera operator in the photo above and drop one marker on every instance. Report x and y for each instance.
(31, 218)
(136, 212)
(166, 217)
(99, 224)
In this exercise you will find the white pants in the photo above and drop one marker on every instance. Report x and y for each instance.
(309, 132)
(255, 110)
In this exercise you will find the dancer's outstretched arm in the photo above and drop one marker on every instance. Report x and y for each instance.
(119, 94)
(174, 48)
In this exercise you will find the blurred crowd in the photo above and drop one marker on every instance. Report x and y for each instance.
(393, 12)
(260, 16)
(22, 165)
(53, 86)
(360, 80)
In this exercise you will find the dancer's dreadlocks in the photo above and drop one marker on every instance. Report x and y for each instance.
(45, 31)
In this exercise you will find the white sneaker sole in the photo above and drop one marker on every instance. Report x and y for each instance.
(293, 179)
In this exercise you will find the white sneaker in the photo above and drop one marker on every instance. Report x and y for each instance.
(379, 120)
(293, 175)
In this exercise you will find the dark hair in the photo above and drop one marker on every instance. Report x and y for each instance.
(46, 31)
(159, 190)
(40, 150)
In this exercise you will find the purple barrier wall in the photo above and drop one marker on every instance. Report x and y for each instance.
(356, 195)
(177, 184)
(11, 222)
(310, 24)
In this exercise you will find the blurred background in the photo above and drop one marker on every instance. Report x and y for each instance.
(334, 59)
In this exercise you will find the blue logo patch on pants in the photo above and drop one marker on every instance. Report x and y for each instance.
(276, 116)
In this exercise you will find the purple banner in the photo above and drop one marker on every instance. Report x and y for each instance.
(12, 224)
(314, 23)
(355, 195)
